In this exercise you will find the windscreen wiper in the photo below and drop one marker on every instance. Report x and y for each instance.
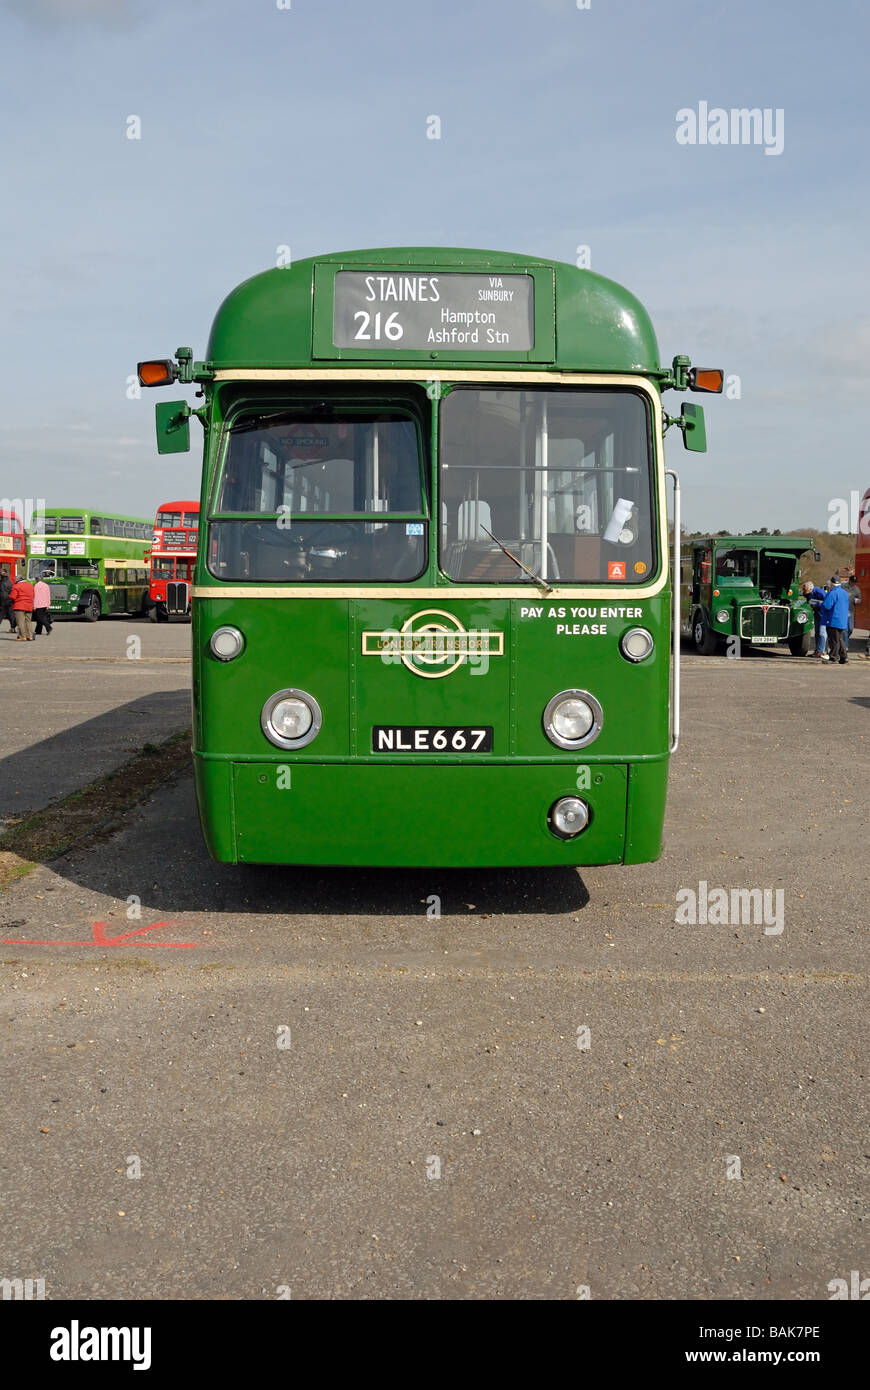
(531, 573)
(281, 417)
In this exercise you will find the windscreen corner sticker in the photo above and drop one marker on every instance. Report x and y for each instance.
(433, 643)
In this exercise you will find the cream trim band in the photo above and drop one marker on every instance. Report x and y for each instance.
(424, 374)
(530, 592)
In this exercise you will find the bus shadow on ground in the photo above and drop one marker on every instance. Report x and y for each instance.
(55, 767)
(160, 857)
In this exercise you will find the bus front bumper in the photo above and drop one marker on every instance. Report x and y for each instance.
(483, 815)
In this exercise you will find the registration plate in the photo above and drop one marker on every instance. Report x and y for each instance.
(431, 738)
(761, 641)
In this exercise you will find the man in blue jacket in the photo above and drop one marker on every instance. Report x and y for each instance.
(815, 597)
(834, 614)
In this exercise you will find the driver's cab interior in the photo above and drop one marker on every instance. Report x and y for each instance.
(771, 572)
(559, 478)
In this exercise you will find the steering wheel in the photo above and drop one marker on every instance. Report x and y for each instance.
(328, 533)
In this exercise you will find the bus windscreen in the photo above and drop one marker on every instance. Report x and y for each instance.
(562, 479)
(330, 485)
(64, 569)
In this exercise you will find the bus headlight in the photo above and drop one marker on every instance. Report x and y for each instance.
(291, 718)
(723, 615)
(802, 617)
(572, 719)
(568, 816)
(226, 643)
(636, 644)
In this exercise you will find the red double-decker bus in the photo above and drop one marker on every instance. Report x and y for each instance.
(173, 555)
(862, 562)
(11, 542)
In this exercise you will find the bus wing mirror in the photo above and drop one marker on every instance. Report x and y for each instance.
(173, 427)
(694, 429)
(817, 556)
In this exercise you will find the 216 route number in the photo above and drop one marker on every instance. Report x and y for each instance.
(388, 327)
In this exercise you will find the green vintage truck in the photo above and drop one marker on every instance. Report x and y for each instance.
(745, 588)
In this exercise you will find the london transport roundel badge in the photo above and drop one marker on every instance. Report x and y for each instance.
(432, 643)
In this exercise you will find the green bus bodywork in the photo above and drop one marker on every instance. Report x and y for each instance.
(93, 562)
(746, 588)
(361, 506)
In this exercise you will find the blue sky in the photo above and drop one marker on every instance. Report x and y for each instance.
(307, 127)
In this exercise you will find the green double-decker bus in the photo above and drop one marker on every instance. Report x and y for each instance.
(94, 562)
(433, 612)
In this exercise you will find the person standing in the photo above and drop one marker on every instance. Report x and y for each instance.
(835, 615)
(42, 608)
(854, 599)
(5, 598)
(22, 607)
(815, 597)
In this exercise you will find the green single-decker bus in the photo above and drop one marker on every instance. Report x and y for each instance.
(433, 613)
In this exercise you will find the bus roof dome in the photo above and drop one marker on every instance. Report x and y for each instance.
(585, 322)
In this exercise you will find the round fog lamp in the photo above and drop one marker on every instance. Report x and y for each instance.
(568, 817)
(636, 644)
(291, 719)
(226, 643)
(572, 718)
(723, 615)
(803, 617)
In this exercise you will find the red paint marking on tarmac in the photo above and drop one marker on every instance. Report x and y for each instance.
(100, 939)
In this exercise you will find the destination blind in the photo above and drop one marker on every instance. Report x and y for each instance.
(475, 313)
(174, 540)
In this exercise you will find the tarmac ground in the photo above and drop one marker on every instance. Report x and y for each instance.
(222, 1082)
(76, 704)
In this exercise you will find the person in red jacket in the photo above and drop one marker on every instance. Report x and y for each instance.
(22, 607)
